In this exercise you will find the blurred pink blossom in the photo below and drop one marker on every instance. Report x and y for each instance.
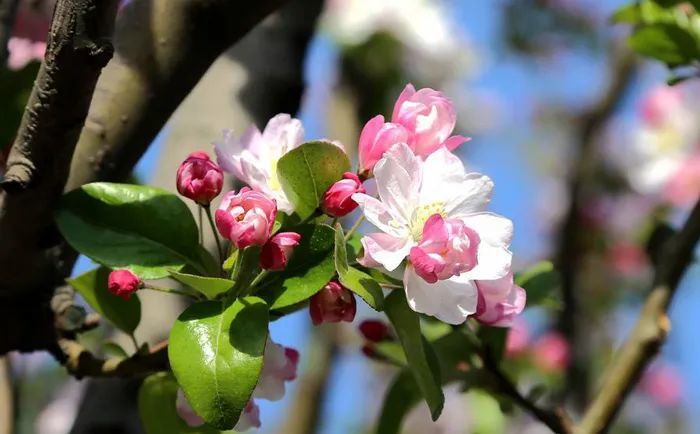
(663, 384)
(626, 258)
(518, 338)
(683, 189)
(551, 352)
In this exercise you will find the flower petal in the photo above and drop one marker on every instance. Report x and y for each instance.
(493, 262)
(451, 301)
(381, 216)
(491, 227)
(385, 250)
(474, 195)
(398, 180)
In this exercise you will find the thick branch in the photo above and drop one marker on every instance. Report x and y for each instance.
(82, 363)
(37, 167)
(643, 344)
(8, 12)
(569, 249)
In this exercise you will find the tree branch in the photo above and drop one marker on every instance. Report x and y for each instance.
(8, 13)
(569, 250)
(649, 332)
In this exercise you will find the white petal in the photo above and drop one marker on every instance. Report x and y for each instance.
(493, 262)
(379, 215)
(493, 228)
(282, 134)
(451, 301)
(443, 177)
(398, 180)
(386, 250)
(474, 195)
(253, 173)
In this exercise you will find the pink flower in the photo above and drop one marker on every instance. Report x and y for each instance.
(376, 138)
(683, 189)
(447, 248)
(374, 330)
(518, 337)
(663, 384)
(333, 303)
(123, 283)
(626, 258)
(250, 417)
(551, 352)
(430, 118)
(279, 367)
(659, 103)
(337, 201)
(277, 250)
(246, 218)
(500, 301)
(23, 51)
(199, 178)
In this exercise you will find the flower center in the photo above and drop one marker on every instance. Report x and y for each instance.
(421, 215)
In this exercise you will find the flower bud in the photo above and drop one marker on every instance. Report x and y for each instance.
(279, 366)
(430, 117)
(376, 138)
(123, 283)
(374, 330)
(551, 352)
(199, 178)
(246, 218)
(337, 202)
(500, 301)
(277, 250)
(447, 248)
(333, 303)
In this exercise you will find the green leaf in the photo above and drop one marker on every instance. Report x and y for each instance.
(157, 398)
(306, 172)
(540, 282)
(113, 349)
(629, 14)
(92, 286)
(309, 269)
(668, 43)
(390, 351)
(145, 229)
(421, 358)
(216, 353)
(355, 280)
(211, 287)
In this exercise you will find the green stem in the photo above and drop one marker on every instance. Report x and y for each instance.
(135, 342)
(170, 291)
(354, 227)
(216, 235)
(200, 220)
(258, 278)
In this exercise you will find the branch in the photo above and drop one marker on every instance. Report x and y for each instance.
(8, 13)
(82, 363)
(653, 324)
(557, 420)
(569, 249)
(37, 166)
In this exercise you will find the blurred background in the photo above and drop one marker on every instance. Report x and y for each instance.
(556, 109)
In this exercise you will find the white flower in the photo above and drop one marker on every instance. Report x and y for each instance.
(279, 366)
(253, 157)
(410, 191)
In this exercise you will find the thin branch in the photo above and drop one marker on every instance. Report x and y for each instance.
(8, 13)
(82, 363)
(557, 420)
(649, 333)
(569, 249)
(7, 411)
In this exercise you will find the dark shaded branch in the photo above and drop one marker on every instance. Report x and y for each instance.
(649, 333)
(163, 49)
(82, 363)
(37, 167)
(8, 12)
(570, 249)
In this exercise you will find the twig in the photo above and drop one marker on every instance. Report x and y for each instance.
(7, 418)
(557, 420)
(569, 249)
(354, 227)
(82, 363)
(648, 334)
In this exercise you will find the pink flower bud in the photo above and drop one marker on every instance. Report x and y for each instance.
(199, 178)
(333, 303)
(551, 352)
(500, 301)
(337, 202)
(430, 118)
(123, 283)
(374, 330)
(447, 248)
(663, 384)
(518, 338)
(376, 138)
(277, 250)
(246, 218)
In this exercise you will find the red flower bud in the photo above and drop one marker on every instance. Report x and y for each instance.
(333, 303)
(337, 202)
(277, 250)
(123, 283)
(199, 178)
(374, 330)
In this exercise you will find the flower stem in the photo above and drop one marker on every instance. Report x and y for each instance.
(258, 278)
(135, 342)
(170, 290)
(216, 235)
(354, 227)
(200, 221)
